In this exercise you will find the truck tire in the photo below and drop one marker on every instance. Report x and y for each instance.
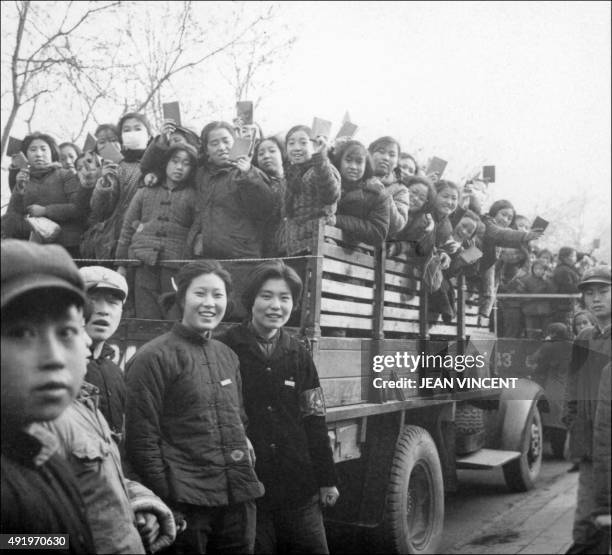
(521, 474)
(557, 442)
(414, 508)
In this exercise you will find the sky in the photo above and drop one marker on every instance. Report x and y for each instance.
(524, 86)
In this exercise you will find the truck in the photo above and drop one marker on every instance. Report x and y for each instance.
(397, 448)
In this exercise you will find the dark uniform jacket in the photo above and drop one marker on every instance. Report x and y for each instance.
(108, 378)
(39, 492)
(284, 403)
(184, 421)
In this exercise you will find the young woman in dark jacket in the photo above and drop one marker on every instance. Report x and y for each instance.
(47, 190)
(286, 410)
(313, 188)
(234, 203)
(185, 420)
(268, 157)
(364, 207)
(155, 229)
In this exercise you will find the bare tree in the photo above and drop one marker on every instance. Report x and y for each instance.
(42, 49)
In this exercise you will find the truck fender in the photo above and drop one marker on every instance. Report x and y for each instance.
(515, 406)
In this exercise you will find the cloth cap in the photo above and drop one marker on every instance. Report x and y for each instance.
(99, 277)
(26, 266)
(597, 274)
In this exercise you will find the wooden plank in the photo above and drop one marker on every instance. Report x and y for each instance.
(348, 270)
(441, 329)
(404, 282)
(347, 255)
(339, 235)
(346, 307)
(402, 298)
(339, 364)
(345, 322)
(410, 268)
(343, 343)
(401, 326)
(407, 314)
(343, 391)
(347, 289)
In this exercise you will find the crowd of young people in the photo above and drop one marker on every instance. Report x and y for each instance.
(221, 444)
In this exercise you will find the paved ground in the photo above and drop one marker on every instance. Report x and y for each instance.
(483, 518)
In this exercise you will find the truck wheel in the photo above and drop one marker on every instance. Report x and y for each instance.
(414, 511)
(521, 474)
(557, 442)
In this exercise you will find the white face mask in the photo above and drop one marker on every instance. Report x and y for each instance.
(135, 140)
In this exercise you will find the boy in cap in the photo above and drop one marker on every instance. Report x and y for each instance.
(590, 354)
(106, 293)
(125, 517)
(44, 356)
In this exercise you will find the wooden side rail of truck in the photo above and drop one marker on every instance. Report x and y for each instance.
(397, 450)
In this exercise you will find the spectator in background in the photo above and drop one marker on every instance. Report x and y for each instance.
(155, 229)
(547, 258)
(45, 190)
(68, 153)
(565, 277)
(537, 311)
(106, 133)
(44, 356)
(590, 355)
(268, 157)
(364, 207)
(313, 187)
(234, 202)
(385, 155)
(408, 164)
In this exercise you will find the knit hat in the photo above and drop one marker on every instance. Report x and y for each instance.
(26, 266)
(99, 277)
(598, 274)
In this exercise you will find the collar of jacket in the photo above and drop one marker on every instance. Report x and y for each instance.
(191, 335)
(295, 171)
(245, 336)
(218, 170)
(41, 172)
(32, 445)
(602, 333)
(107, 352)
(88, 393)
(132, 155)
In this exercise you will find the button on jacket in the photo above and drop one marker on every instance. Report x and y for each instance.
(284, 403)
(185, 433)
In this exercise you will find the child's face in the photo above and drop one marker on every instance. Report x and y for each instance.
(446, 201)
(218, 146)
(106, 136)
(68, 157)
(407, 165)
(419, 194)
(248, 132)
(597, 300)
(353, 164)
(39, 153)
(464, 229)
(539, 270)
(272, 306)
(546, 259)
(299, 147)
(503, 218)
(44, 361)
(384, 159)
(106, 310)
(179, 167)
(205, 303)
(571, 258)
(522, 224)
(269, 158)
(581, 322)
